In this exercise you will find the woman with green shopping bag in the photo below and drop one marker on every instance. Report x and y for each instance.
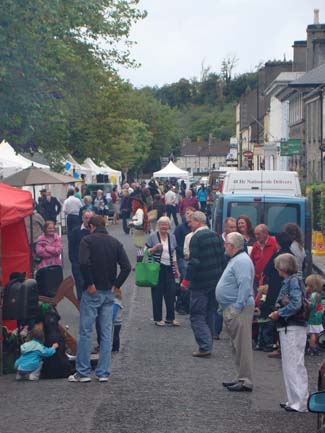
(162, 246)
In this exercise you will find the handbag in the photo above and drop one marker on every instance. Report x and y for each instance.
(147, 272)
(153, 215)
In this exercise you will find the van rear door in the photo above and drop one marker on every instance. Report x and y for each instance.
(274, 212)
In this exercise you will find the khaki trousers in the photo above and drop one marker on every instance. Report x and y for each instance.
(239, 328)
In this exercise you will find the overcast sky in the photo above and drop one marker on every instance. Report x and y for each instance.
(179, 35)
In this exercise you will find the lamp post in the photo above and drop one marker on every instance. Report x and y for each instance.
(321, 138)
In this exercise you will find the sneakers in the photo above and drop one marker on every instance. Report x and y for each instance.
(102, 378)
(160, 323)
(33, 377)
(78, 378)
(172, 322)
(26, 376)
(199, 354)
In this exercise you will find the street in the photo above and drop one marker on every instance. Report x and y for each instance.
(156, 385)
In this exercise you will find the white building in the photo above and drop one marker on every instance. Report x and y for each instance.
(202, 156)
(277, 127)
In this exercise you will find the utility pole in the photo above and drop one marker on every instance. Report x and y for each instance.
(321, 138)
(240, 152)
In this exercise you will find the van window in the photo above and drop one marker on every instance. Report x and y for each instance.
(274, 215)
(235, 209)
(277, 215)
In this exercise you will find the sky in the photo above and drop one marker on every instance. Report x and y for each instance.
(179, 36)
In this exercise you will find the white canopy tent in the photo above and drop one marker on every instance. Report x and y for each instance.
(11, 162)
(93, 168)
(72, 167)
(114, 175)
(171, 170)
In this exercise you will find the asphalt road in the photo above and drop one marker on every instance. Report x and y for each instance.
(155, 387)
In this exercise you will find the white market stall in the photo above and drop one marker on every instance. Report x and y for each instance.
(94, 169)
(78, 171)
(115, 176)
(11, 162)
(171, 170)
(102, 170)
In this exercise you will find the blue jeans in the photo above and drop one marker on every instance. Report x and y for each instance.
(266, 334)
(218, 323)
(99, 304)
(79, 280)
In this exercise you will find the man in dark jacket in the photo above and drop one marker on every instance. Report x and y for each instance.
(205, 267)
(77, 234)
(183, 298)
(99, 255)
(50, 207)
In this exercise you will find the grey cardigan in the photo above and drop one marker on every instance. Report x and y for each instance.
(154, 239)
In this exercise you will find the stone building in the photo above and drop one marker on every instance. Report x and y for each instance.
(200, 157)
(282, 121)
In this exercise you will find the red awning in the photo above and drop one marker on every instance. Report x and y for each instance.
(15, 204)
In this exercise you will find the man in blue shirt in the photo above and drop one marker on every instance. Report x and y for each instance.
(234, 293)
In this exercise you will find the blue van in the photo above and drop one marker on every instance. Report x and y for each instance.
(271, 198)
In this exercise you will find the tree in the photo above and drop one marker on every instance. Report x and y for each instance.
(160, 120)
(227, 66)
(44, 45)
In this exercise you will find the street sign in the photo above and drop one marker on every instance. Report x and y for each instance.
(248, 154)
(290, 147)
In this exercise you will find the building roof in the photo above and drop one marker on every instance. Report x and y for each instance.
(202, 148)
(282, 80)
(36, 157)
(314, 77)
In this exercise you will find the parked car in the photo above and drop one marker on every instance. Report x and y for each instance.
(316, 404)
(316, 401)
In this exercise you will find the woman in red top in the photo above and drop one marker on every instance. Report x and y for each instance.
(115, 200)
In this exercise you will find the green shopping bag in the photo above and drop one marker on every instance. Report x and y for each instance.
(147, 272)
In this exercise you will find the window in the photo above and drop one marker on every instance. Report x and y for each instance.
(236, 209)
(277, 215)
(274, 215)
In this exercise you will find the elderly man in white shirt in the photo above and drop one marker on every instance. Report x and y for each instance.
(71, 208)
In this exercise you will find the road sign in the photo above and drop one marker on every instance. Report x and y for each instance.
(248, 154)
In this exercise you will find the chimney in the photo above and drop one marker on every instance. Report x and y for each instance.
(315, 43)
(299, 56)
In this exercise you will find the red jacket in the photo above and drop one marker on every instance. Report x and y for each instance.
(188, 202)
(260, 256)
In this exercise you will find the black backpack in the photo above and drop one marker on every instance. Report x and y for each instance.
(20, 300)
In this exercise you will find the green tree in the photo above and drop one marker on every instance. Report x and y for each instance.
(44, 46)
(160, 120)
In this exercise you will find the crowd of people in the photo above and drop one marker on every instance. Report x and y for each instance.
(245, 280)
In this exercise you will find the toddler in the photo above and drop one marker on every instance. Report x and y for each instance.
(29, 364)
(314, 288)
(117, 320)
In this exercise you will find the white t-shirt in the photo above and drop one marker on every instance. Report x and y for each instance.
(165, 259)
(170, 198)
(137, 219)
